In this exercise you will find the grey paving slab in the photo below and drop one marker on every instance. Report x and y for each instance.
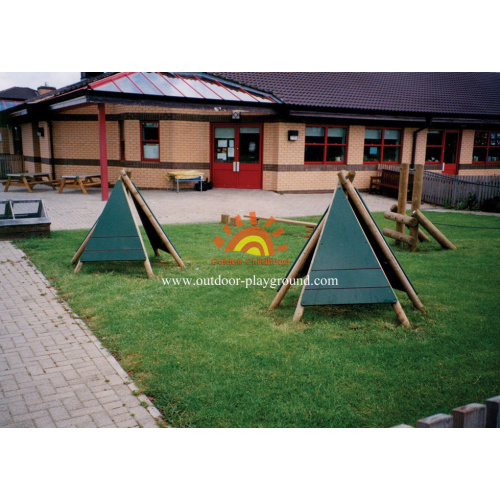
(54, 373)
(75, 210)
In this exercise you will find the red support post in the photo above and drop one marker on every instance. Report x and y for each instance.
(103, 149)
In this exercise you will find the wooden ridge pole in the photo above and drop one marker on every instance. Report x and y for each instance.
(372, 227)
(299, 263)
(404, 174)
(416, 200)
(433, 230)
(147, 264)
(151, 218)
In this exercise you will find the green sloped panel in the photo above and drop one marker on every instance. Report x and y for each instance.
(345, 255)
(153, 236)
(115, 237)
(116, 218)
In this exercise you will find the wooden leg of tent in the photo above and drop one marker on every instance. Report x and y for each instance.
(311, 244)
(130, 186)
(149, 270)
(299, 310)
(157, 252)
(78, 267)
(401, 314)
(79, 252)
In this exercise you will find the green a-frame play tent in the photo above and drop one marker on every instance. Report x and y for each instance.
(348, 261)
(115, 235)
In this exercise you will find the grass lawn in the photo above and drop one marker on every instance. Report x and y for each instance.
(213, 356)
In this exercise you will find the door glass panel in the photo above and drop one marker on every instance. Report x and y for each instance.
(249, 151)
(450, 148)
(224, 145)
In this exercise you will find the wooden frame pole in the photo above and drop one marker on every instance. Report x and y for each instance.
(81, 249)
(433, 230)
(124, 177)
(416, 200)
(372, 227)
(404, 174)
(298, 265)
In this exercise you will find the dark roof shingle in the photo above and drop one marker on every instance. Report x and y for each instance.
(18, 93)
(423, 93)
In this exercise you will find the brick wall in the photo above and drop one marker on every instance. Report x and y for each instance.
(355, 147)
(466, 146)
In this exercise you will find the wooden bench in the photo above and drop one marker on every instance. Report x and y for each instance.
(388, 180)
(79, 182)
(28, 180)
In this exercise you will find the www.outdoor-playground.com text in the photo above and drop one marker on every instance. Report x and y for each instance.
(250, 281)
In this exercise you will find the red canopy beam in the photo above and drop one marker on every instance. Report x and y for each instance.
(103, 149)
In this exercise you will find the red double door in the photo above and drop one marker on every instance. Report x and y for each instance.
(237, 156)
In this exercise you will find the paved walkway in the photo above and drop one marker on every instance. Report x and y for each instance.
(74, 210)
(53, 370)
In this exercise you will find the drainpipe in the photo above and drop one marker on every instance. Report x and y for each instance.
(52, 162)
(413, 153)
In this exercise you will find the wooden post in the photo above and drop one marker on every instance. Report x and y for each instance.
(439, 421)
(299, 263)
(402, 220)
(421, 235)
(404, 173)
(372, 227)
(401, 314)
(103, 151)
(416, 200)
(493, 412)
(469, 416)
(400, 237)
(78, 267)
(151, 218)
(433, 230)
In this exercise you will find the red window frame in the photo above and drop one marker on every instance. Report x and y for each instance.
(487, 147)
(149, 141)
(382, 146)
(325, 145)
(121, 132)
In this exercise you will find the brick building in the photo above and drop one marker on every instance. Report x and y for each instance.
(286, 132)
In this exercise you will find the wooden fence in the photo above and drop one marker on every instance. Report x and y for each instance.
(451, 190)
(469, 416)
(10, 164)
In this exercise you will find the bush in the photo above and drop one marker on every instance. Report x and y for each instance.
(491, 205)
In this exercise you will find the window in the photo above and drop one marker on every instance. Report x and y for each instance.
(434, 149)
(150, 141)
(382, 145)
(325, 144)
(18, 141)
(486, 147)
(121, 127)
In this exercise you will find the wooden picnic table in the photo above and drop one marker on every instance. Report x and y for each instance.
(80, 182)
(29, 180)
